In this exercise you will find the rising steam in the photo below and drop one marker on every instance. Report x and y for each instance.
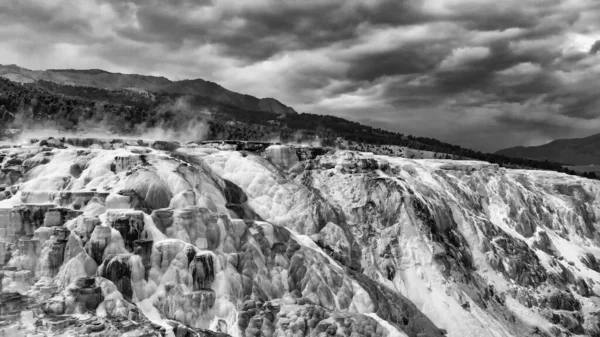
(172, 121)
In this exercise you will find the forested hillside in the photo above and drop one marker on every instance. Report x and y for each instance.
(123, 111)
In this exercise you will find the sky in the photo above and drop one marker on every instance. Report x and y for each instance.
(478, 73)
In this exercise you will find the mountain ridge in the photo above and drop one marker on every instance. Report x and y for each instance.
(574, 151)
(201, 110)
(108, 80)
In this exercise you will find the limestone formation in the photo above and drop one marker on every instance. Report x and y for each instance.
(113, 237)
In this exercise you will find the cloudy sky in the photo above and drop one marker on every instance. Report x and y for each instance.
(479, 73)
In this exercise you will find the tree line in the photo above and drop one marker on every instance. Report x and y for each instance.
(123, 111)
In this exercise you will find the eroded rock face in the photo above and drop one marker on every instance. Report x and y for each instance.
(282, 156)
(333, 240)
(81, 296)
(129, 224)
(118, 270)
(202, 270)
(108, 237)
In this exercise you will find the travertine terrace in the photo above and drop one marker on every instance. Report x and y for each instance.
(125, 237)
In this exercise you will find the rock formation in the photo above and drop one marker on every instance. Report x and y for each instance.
(107, 237)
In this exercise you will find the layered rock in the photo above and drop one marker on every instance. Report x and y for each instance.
(109, 237)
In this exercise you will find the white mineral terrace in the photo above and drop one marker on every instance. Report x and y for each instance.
(104, 236)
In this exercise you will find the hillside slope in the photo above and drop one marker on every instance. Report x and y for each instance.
(576, 151)
(103, 79)
(77, 100)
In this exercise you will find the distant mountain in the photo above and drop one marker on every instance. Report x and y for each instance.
(106, 80)
(577, 151)
(84, 100)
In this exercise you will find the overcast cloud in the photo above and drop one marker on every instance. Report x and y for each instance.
(478, 73)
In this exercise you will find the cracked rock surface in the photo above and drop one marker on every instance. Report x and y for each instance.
(136, 238)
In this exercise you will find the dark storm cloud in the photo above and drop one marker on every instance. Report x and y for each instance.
(256, 30)
(595, 48)
(48, 17)
(518, 71)
(480, 15)
(402, 61)
(482, 72)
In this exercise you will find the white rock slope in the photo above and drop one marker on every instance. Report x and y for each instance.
(105, 237)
